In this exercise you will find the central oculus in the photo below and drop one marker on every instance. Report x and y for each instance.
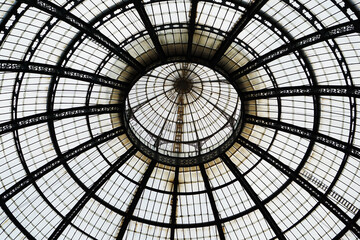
(181, 112)
(183, 85)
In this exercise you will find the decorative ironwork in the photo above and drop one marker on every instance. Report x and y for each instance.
(57, 115)
(345, 203)
(305, 133)
(345, 91)
(93, 43)
(313, 191)
(322, 35)
(20, 66)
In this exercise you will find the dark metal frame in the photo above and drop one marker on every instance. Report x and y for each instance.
(29, 67)
(311, 39)
(86, 29)
(212, 202)
(174, 203)
(63, 158)
(313, 191)
(135, 200)
(91, 192)
(57, 115)
(191, 30)
(245, 184)
(345, 91)
(248, 15)
(149, 27)
(305, 133)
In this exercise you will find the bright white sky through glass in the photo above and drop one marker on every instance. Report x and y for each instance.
(69, 170)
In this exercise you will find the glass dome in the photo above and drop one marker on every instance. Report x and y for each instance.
(164, 119)
(182, 112)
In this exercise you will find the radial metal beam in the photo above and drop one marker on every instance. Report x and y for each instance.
(135, 200)
(348, 4)
(312, 190)
(149, 27)
(91, 192)
(14, 12)
(174, 204)
(84, 27)
(15, 221)
(332, 44)
(48, 167)
(311, 39)
(238, 27)
(345, 91)
(245, 184)
(212, 202)
(305, 133)
(57, 115)
(330, 192)
(158, 139)
(348, 227)
(191, 29)
(30, 67)
(132, 110)
(230, 119)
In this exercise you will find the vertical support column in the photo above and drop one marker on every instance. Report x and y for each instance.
(174, 203)
(179, 124)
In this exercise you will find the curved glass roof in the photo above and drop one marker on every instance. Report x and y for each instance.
(179, 119)
(182, 111)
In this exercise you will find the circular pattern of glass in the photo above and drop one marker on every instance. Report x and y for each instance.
(110, 127)
(183, 109)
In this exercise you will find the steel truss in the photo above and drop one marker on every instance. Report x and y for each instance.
(191, 28)
(344, 91)
(57, 115)
(149, 27)
(40, 68)
(305, 133)
(174, 203)
(129, 213)
(212, 202)
(240, 25)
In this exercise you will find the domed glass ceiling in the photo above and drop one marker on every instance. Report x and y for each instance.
(179, 119)
(182, 111)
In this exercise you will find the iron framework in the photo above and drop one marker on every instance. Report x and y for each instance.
(179, 119)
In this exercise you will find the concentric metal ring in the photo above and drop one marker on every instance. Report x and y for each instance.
(183, 111)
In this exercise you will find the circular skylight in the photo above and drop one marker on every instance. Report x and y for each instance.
(183, 110)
